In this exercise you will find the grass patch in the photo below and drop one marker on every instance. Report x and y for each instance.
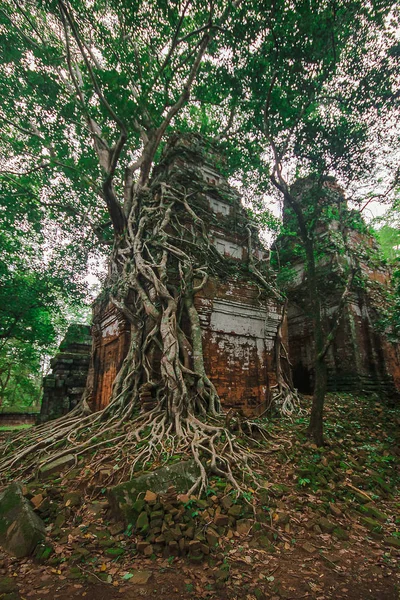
(15, 427)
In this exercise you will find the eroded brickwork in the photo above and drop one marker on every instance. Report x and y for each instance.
(361, 358)
(239, 331)
(65, 384)
(111, 337)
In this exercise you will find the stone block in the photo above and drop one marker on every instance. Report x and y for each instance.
(21, 530)
(122, 497)
(56, 466)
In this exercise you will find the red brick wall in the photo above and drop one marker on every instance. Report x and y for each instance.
(111, 338)
(239, 329)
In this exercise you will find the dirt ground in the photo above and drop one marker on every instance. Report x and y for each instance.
(358, 470)
(356, 573)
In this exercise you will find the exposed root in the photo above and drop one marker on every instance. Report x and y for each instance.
(144, 442)
(286, 401)
(284, 397)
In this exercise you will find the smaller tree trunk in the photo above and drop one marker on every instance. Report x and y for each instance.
(315, 428)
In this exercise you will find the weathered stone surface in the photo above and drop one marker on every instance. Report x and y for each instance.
(141, 577)
(326, 525)
(72, 499)
(335, 510)
(371, 524)
(341, 534)
(235, 511)
(7, 585)
(123, 497)
(309, 548)
(142, 522)
(372, 511)
(221, 520)
(56, 466)
(244, 526)
(21, 530)
(63, 388)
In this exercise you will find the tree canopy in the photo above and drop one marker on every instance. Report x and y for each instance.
(91, 89)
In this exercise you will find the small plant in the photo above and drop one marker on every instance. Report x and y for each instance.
(303, 481)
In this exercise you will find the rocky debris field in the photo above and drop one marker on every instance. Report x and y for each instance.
(325, 523)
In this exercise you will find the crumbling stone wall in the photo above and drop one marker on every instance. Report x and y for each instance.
(8, 419)
(65, 384)
(361, 358)
(238, 318)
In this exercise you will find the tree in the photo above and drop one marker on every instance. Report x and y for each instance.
(320, 88)
(99, 88)
(33, 302)
(388, 235)
(315, 230)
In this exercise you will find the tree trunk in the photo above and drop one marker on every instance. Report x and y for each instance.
(315, 427)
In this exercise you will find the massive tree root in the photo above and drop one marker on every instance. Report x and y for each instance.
(162, 403)
(284, 398)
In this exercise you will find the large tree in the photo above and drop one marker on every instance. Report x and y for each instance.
(97, 87)
(320, 88)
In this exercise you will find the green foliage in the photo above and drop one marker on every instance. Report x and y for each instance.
(389, 240)
(388, 235)
(33, 309)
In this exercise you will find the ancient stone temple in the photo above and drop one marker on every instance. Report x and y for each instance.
(361, 358)
(239, 319)
(65, 384)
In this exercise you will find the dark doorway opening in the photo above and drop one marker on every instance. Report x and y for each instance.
(302, 379)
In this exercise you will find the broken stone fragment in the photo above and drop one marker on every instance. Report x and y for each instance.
(150, 497)
(142, 522)
(335, 510)
(341, 534)
(226, 502)
(21, 530)
(212, 537)
(309, 548)
(140, 577)
(371, 524)
(326, 525)
(123, 497)
(7, 585)
(142, 546)
(56, 466)
(370, 510)
(243, 526)
(235, 511)
(221, 520)
(72, 499)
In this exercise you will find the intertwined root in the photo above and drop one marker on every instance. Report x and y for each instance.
(145, 441)
(286, 401)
